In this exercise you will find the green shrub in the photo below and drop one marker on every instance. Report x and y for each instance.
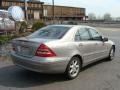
(38, 25)
(4, 39)
(23, 27)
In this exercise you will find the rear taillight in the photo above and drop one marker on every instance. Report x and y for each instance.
(44, 51)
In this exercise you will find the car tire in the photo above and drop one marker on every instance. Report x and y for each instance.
(73, 68)
(111, 54)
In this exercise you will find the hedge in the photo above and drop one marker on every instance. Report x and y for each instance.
(38, 25)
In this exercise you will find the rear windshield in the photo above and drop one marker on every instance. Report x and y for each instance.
(50, 32)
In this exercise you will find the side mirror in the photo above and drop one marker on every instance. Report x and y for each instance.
(105, 39)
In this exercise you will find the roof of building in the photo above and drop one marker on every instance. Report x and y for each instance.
(64, 6)
(30, 1)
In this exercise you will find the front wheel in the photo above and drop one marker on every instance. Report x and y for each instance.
(111, 54)
(73, 68)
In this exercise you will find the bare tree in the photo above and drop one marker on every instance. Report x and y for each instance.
(91, 16)
(107, 17)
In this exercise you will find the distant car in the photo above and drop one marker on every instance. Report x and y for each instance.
(5, 22)
(61, 49)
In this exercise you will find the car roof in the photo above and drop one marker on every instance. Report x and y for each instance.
(73, 25)
(3, 11)
(63, 25)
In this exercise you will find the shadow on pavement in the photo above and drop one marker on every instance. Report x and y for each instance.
(12, 76)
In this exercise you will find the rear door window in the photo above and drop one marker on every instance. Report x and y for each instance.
(82, 35)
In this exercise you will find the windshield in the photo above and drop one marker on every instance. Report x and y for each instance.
(51, 32)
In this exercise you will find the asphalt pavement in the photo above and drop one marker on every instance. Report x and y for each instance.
(102, 75)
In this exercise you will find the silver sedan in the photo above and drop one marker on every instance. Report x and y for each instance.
(61, 49)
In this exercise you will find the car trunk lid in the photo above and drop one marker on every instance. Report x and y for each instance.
(27, 46)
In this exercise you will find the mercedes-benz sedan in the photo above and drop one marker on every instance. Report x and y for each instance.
(61, 49)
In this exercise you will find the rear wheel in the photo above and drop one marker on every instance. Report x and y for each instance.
(73, 68)
(111, 54)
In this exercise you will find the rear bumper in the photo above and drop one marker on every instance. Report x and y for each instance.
(39, 64)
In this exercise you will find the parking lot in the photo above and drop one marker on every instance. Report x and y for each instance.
(102, 75)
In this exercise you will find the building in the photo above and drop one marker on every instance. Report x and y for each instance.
(64, 12)
(35, 8)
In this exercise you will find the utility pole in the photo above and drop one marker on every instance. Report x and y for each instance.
(53, 10)
(25, 9)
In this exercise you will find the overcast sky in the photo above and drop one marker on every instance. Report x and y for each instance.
(99, 7)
